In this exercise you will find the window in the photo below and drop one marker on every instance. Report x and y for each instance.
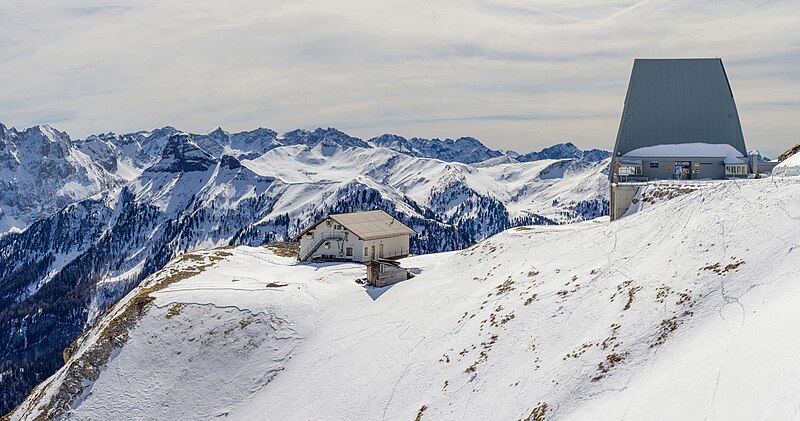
(366, 252)
(735, 170)
(348, 251)
(630, 170)
(337, 227)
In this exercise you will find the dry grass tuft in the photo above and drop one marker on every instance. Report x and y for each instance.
(537, 413)
(284, 249)
(420, 412)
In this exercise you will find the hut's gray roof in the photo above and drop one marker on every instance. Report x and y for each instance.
(370, 225)
(672, 101)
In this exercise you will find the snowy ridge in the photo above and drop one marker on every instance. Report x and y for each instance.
(664, 314)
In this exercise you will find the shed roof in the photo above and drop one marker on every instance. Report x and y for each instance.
(679, 101)
(370, 225)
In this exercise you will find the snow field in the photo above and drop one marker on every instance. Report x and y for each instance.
(683, 310)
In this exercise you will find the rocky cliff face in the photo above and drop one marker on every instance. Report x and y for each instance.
(41, 171)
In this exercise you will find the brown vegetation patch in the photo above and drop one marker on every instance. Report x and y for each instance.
(579, 352)
(484, 354)
(667, 326)
(605, 366)
(174, 310)
(505, 287)
(611, 340)
(420, 412)
(531, 299)
(537, 413)
(620, 287)
(720, 270)
(661, 293)
(284, 249)
(631, 293)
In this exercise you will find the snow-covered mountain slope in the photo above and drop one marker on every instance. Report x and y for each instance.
(170, 192)
(548, 188)
(671, 313)
(41, 171)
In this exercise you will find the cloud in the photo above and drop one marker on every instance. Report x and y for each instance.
(518, 74)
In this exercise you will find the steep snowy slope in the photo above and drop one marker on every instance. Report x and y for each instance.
(684, 310)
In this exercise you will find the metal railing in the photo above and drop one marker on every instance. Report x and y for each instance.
(317, 244)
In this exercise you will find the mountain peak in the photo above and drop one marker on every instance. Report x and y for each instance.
(229, 162)
(218, 132)
(566, 150)
(46, 133)
(328, 137)
(182, 154)
(465, 149)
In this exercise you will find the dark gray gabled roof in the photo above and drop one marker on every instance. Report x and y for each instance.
(672, 101)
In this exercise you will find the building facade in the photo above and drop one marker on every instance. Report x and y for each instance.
(679, 122)
(357, 237)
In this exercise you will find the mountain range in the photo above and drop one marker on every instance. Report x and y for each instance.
(84, 221)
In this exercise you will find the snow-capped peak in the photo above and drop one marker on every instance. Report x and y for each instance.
(182, 154)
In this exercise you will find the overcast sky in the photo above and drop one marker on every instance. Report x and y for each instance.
(516, 74)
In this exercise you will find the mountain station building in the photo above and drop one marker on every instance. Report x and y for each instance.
(679, 122)
(356, 237)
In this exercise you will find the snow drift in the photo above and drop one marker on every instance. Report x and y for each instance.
(790, 167)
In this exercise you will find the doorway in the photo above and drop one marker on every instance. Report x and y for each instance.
(683, 170)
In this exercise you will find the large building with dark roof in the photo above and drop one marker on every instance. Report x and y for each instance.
(679, 122)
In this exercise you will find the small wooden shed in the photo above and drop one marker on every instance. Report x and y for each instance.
(383, 272)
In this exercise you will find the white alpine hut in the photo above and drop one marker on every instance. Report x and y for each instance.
(357, 237)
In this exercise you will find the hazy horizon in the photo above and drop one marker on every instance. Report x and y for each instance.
(518, 75)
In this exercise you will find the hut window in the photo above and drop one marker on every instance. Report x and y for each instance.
(735, 170)
(630, 170)
(348, 251)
